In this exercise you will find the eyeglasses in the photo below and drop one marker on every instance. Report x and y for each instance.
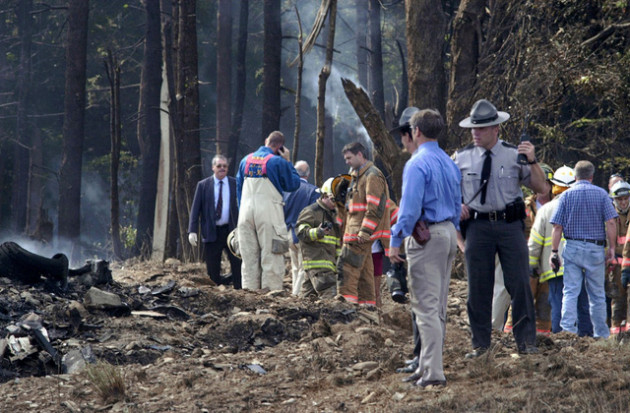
(222, 165)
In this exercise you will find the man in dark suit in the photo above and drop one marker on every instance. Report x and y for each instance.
(215, 201)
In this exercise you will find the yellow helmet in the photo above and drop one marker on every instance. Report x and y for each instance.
(339, 187)
(547, 170)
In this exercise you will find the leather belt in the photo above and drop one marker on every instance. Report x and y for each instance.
(488, 216)
(434, 223)
(599, 242)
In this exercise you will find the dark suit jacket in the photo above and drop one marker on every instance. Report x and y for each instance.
(203, 205)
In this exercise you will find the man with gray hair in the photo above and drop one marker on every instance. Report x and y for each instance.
(294, 203)
(587, 218)
(215, 204)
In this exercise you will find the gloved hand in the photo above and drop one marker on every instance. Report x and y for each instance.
(192, 238)
(625, 277)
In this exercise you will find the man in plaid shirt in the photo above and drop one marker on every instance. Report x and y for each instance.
(587, 218)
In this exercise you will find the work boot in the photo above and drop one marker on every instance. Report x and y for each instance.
(528, 349)
(409, 368)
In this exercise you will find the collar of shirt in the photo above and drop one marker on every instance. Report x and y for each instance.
(216, 181)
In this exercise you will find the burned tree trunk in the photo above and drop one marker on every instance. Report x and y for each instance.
(375, 57)
(384, 145)
(298, 91)
(321, 96)
(224, 75)
(112, 68)
(241, 55)
(271, 68)
(73, 126)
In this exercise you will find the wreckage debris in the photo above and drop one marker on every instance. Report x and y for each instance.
(19, 264)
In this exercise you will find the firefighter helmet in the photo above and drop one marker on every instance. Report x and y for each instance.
(547, 170)
(621, 188)
(232, 243)
(339, 187)
(564, 176)
(327, 187)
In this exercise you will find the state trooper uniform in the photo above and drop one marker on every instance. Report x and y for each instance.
(495, 226)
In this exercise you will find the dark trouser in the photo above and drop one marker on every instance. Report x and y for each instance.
(417, 342)
(483, 240)
(214, 250)
(585, 327)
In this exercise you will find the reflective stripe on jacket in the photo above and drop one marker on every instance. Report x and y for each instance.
(319, 251)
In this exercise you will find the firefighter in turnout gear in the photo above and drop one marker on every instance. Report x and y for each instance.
(320, 241)
(620, 193)
(366, 221)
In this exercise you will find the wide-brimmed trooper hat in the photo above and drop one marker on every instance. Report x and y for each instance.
(405, 117)
(482, 114)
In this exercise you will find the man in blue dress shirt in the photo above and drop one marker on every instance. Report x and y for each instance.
(431, 192)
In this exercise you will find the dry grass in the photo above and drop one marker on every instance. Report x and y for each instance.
(108, 381)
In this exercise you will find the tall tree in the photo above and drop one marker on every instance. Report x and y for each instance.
(271, 67)
(22, 146)
(375, 69)
(73, 126)
(465, 49)
(224, 75)
(149, 133)
(426, 29)
(362, 16)
(321, 95)
(298, 90)
(186, 136)
(241, 54)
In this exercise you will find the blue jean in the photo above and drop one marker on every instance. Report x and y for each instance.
(584, 325)
(584, 262)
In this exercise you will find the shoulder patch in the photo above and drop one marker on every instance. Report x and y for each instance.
(508, 145)
(467, 147)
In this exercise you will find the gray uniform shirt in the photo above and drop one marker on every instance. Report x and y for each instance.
(506, 176)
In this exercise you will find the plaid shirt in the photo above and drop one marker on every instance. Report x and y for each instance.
(582, 211)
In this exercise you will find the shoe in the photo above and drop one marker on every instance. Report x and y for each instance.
(412, 361)
(431, 383)
(409, 368)
(528, 350)
(476, 353)
(413, 378)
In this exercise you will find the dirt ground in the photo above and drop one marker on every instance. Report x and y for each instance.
(189, 346)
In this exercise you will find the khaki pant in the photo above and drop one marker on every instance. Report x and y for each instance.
(356, 273)
(262, 235)
(429, 270)
(297, 271)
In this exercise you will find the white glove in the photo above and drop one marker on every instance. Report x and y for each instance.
(192, 238)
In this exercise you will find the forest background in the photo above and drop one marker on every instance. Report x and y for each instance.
(92, 93)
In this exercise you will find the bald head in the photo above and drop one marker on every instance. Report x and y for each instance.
(302, 169)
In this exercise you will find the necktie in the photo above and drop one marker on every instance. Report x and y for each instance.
(219, 207)
(485, 175)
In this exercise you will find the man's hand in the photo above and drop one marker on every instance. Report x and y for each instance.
(555, 262)
(465, 214)
(394, 254)
(528, 149)
(323, 229)
(610, 255)
(461, 243)
(363, 238)
(192, 239)
(285, 153)
(625, 277)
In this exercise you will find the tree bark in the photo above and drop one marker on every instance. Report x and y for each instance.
(22, 146)
(112, 68)
(426, 29)
(298, 90)
(149, 133)
(187, 145)
(241, 55)
(375, 72)
(271, 68)
(465, 51)
(362, 16)
(321, 96)
(384, 144)
(73, 128)
(224, 75)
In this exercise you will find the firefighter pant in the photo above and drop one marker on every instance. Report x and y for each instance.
(262, 235)
(619, 300)
(321, 283)
(356, 273)
(540, 291)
